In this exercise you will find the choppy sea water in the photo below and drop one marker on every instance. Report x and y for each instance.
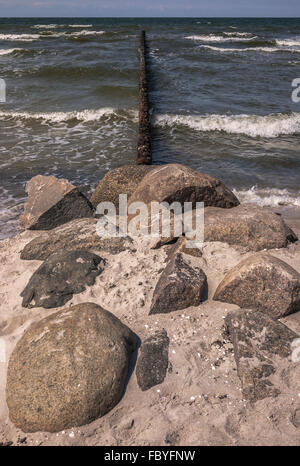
(220, 92)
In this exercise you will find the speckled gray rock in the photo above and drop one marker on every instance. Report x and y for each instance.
(253, 227)
(262, 350)
(74, 235)
(60, 276)
(152, 365)
(68, 369)
(262, 282)
(175, 182)
(179, 286)
(121, 180)
(52, 202)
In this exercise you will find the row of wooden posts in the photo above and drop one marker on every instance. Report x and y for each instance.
(144, 151)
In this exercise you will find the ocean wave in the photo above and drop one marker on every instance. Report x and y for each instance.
(8, 51)
(246, 49)
(59, 117)
(49, 34)
(268, 126)
(46, 26)
(214, 38)
(269, 197)
(89, 71)
(288, 42)
(238, 34)
(80, 25)
(85, 33)
(20, 37)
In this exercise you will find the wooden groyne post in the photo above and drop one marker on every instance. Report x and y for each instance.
(144, 156)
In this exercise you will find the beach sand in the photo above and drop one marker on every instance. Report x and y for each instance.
(200, 401)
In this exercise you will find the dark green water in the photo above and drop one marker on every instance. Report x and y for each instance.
(220, 97)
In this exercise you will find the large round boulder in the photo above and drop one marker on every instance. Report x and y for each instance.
(247, 225)
(175, 182)
(68, 369)
(264, 283)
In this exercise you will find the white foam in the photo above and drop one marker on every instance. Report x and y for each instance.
(46, 26)
(238, 34)
(271, 197)
(213, 38)
(57, 117)
(246, 49)
(268, 126)
(48, 34)
(288, 42)
(87, 33)
(21, 37)
(80, 25)
(8, 51)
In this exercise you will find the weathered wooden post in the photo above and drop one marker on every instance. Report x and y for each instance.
(144, 156)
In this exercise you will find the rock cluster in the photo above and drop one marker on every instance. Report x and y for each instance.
(72, 367)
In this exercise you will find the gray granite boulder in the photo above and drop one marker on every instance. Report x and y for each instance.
(152, 364)
(262, 282)
(68, 369)
(175, 182)
(74, 235)
(179, 286)
(52, 202)
(262, 350)
(60, 276)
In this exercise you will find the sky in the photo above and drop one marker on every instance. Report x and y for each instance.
(150, 8)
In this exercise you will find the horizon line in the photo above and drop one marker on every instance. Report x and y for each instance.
(152, 17)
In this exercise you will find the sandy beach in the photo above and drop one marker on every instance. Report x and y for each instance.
(200, 402)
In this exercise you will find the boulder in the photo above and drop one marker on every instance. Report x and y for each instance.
(247, 225)
(262, 350)
(68, 369)
(179, 286)
(175, 182)
(152, 364)
(59, 277)
(122, 180)
(262, 282)
(52, 202)
(77, 234)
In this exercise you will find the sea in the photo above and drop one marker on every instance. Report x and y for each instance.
(220, 90)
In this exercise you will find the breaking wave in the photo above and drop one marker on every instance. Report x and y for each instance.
(268, 126)
(8, 51)
(81, 116)
(214, 38)
(247, 49)
(270, 197)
